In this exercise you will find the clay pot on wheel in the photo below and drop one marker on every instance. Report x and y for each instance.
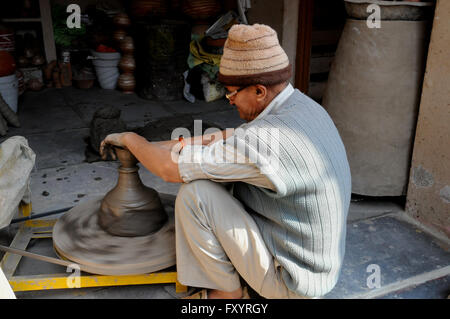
(131, 209)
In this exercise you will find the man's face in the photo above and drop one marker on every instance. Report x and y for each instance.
(247, 101)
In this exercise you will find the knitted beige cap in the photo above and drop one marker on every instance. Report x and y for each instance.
(253, 55)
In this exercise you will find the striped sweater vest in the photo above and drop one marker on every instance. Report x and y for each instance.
(303, 222)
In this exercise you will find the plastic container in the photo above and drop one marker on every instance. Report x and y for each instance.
(9, 89)
(106, 68)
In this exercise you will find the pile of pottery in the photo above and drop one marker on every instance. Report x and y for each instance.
(127, 64)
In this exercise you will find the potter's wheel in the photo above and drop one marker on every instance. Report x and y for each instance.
(78, 238)
(128, 231)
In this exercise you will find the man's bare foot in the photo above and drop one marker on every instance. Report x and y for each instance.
(218, 294)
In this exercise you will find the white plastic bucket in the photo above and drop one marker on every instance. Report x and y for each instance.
(106, 67)
(9, 89)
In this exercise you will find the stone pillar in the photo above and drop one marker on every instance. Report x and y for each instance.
(428, 198)
(372, 95)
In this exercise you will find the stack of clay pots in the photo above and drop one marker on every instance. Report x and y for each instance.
(127, 64)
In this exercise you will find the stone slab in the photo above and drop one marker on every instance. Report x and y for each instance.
(434, 289)
(400, 250)
(53, 118)
(135, 111)
(198, 107)
(58, 148)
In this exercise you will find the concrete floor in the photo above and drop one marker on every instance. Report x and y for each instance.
(412, 262)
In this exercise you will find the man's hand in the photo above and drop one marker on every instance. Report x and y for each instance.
(115, 139)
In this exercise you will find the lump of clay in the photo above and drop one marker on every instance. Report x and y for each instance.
(106, 120)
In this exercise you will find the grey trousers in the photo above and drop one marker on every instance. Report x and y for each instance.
(217, 240)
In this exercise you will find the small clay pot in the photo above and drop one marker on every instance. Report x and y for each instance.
(127, 64)
(35, 85)
(22, 61)
(127, 45)
(29, 53)
(127, 83)
(119, 35)
(121, 20)
(38, 60)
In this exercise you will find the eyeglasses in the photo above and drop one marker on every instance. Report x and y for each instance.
(229, 94)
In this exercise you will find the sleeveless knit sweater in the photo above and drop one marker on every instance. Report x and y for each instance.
(303, 222)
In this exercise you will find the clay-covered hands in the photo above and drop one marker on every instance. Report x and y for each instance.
(115, 139)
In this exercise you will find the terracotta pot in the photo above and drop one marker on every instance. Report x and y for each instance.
(35, 85)
(7, 40)
(119, 35)
(127, 83)
(201, 9)
(7, 63)
(215, 42)
(38, 60)
(121, 20)
(29, 53)
(143, 8)
(127, 64)
(22, 61)
(127, 45)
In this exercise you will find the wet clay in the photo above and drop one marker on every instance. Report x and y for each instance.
(130, 208)
(106, 120)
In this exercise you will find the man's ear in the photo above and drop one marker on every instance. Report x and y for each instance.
(261, 91)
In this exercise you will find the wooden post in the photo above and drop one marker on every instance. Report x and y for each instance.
(303, 58)
(47, 30)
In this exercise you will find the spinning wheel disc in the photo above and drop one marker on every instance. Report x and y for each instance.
(78, 238)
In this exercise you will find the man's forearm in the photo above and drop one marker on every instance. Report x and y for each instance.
(209, 138)
(157, 157)
(161, 158)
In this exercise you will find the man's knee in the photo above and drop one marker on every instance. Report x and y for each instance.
(191, 202)
(192, 192)
(197, 189)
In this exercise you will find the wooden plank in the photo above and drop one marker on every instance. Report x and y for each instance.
(302, 63)
(47, 30)
(62, 281)
(428, 198)
(10, 261)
